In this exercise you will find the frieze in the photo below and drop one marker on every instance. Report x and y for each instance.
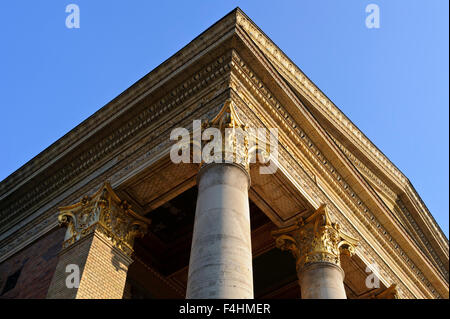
(14, 209)
(405, 212)
(155, 79)
(300, 80)
(366, 171)
(141, 153)
(329, 171)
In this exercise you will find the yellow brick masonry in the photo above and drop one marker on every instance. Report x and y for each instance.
(103, 270)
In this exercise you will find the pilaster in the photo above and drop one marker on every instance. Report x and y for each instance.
(98, 247)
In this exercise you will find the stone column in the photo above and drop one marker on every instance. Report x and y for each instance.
(97, 247)
(221, 254)
(316, 244)
(322, 280)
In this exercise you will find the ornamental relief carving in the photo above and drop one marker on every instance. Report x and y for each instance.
(133, 161)
(240, 144)
(409, 221)
(292, 72)
(307, 183)
(142, 152)
(234, 146)
(252, 83)
(315, 239)
(106, 213)
(12, 208)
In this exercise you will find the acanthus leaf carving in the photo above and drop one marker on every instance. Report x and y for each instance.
(106, 213)
(315, 239)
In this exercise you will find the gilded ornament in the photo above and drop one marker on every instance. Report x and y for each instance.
(315, 239)
(105, 213)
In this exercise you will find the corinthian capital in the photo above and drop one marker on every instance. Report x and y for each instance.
(233, 141)
(232, 144)
(106, 213)
(315, 239)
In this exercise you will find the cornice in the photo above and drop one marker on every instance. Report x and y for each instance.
(17, 207)
(300, 81)
(405, 215)
(172, 66)
(317, 157)
(307, 182)
(441, 241)
(157, 78)
(148, 148)
(25, 191)
(320, 102)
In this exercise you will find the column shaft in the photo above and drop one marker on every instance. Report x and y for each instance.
(322, 281)
(221, 255)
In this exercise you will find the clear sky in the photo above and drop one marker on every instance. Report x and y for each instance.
(392, 82)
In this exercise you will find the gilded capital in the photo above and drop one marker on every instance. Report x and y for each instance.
(233, 141)
(105, 213)
(234, 146)
(315, 239)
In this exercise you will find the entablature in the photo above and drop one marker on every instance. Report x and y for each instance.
(132, 131)
(334, 121)
(261, 99)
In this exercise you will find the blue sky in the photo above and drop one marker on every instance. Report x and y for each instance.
(392, 82)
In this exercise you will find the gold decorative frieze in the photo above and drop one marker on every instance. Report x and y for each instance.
(315, 239)
(314, 156)
(301, 82)
(105, 213)
(308, 90)
(13, 207)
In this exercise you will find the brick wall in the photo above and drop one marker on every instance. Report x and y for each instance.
(37, 262)
(103, 270)
(75, 254)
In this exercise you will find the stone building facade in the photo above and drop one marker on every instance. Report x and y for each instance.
(336, 219)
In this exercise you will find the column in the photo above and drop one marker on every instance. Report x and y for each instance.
(220, 263)
(97, 248)
(316, 243)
